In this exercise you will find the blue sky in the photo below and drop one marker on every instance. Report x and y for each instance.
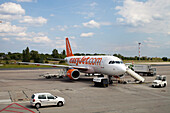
(93, 26)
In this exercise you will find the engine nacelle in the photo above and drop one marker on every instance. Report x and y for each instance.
(73, 74)
(119, 76)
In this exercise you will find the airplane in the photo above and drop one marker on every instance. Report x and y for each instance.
(104, 65)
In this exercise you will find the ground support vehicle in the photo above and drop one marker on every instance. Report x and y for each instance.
(57, 74)
(46, 99)
(101, 82)
(160, 81)
(143, 69)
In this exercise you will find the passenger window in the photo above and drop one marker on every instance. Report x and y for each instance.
(50, 97)
(41, 97)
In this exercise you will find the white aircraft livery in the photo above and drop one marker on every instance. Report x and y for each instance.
(107, 65)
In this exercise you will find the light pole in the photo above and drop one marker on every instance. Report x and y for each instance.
(139, 50)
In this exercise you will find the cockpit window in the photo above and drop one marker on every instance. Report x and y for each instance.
(116, 62)
(111, 62)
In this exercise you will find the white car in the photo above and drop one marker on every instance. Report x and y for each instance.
(160, 81)
(46, 99)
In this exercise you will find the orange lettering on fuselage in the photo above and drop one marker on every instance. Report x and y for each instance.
(86, 60)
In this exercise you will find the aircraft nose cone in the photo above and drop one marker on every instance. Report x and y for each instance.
(122, 68)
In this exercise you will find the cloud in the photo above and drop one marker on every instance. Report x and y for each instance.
(93, 4)
(151, 43)
(105, 23)
(43, 39)
(23, 39)
(11, 11)
(94, 24)
(87, 15)
(11, 8)
(149, 40)
(91, 24)
(150, 16)
(90, 34)
(62, 28)
(25, 0)
(52, 15)
(58, 38)
(76, 26)
(33, 21)
(6, 39)
(124, 48)
(72, 37)
(7, 29)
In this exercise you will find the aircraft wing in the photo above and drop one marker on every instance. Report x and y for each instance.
(54, 65)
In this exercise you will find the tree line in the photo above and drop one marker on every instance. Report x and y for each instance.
(27, 56)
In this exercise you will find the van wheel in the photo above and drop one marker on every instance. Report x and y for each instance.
(37, 105)
(60, 104)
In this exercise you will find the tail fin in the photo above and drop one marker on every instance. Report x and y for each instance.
(68, 48)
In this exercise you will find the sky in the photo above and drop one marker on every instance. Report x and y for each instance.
(93, 26)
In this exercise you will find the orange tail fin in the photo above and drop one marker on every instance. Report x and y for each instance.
(68, 48)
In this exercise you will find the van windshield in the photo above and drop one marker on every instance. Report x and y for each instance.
(158, 78)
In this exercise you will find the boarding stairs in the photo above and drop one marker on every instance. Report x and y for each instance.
(135, 75)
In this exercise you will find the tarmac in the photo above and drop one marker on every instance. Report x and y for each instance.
(17, 86)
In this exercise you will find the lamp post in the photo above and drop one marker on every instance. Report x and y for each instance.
(139, 50)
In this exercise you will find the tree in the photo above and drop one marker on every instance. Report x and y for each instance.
(36, 57)
(164, 58)
(26, 55)
(55, 53)
(63, 54)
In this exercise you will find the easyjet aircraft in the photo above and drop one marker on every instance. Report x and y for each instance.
(108, 65)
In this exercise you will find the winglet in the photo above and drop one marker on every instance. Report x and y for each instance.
(68, 48)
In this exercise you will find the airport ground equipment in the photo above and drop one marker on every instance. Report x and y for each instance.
(57, 74)
(46, 99)
(135, 75)
(160, 81)
(142, 69)
(101, 82)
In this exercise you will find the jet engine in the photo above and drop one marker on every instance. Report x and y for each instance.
(119, 76)
(73, 74)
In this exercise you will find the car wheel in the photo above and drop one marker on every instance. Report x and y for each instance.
(37, 105)
(60, 104)
(164, 85)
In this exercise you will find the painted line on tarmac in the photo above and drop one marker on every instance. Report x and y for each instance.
(5, 100)
(8, 101)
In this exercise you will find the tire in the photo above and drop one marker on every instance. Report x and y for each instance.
(37, 105)
(47, 77)
(159, 85)
(59, 104)
(164, 85)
